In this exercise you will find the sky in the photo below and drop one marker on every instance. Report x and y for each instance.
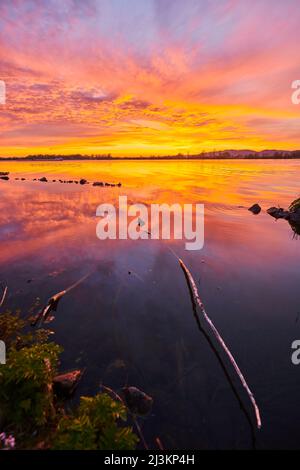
(148, 77)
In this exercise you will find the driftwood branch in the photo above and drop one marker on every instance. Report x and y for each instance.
(53, 302)
(3, 296)
(159, 444)
(198, 301)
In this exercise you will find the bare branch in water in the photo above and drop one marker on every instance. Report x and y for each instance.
(3, 296)
(115, 395)
(53, 302)
(194, 290)
(140, 432)
(159, 444)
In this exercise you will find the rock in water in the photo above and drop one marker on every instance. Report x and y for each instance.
(294, 217)
(295, 211)
(83, 181)
(65, 384)
(98, 183)
(43, 179)
(4, 173)
(278, 213)
(255, 209)
(295, 206)
(5, 178)
(138, 402)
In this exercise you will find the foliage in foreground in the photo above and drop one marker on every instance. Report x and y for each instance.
(28, 406)
(94, 425)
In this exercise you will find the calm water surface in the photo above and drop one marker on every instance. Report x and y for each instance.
(138, 329)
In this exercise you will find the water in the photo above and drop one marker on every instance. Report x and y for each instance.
(138, 329)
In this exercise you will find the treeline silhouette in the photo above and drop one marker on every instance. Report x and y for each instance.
(225, 154)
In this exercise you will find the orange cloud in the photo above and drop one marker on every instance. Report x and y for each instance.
(95, 79)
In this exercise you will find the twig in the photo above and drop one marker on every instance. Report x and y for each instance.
(53, 302)
(113, 393)
(140, 432)
(117, 397)
(3, 296)
(194, 289)
(159, 444)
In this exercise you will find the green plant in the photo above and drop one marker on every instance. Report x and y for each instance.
(15, 332)
(95, 425)
(26, 394)
(27, 401)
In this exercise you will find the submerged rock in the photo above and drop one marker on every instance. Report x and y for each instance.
(65, 384)
(43, 179)
(98, 183)
(278, 213)
(5, 178)
(255, 209)
(83, 181)
(138, 402)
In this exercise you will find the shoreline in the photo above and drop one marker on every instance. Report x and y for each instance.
(115, 159)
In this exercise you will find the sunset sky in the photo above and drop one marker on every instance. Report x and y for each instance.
(144, 77)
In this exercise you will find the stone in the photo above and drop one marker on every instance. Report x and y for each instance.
(295, 206)
(294, 217)
(278, 213)
(255, 209)
(138, 402)
(65, 384)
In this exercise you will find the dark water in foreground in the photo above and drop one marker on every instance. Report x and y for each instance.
(138, 329)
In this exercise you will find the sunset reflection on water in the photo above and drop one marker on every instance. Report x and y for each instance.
(131, 320)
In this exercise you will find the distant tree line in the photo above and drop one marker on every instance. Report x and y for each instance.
(225, 154)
